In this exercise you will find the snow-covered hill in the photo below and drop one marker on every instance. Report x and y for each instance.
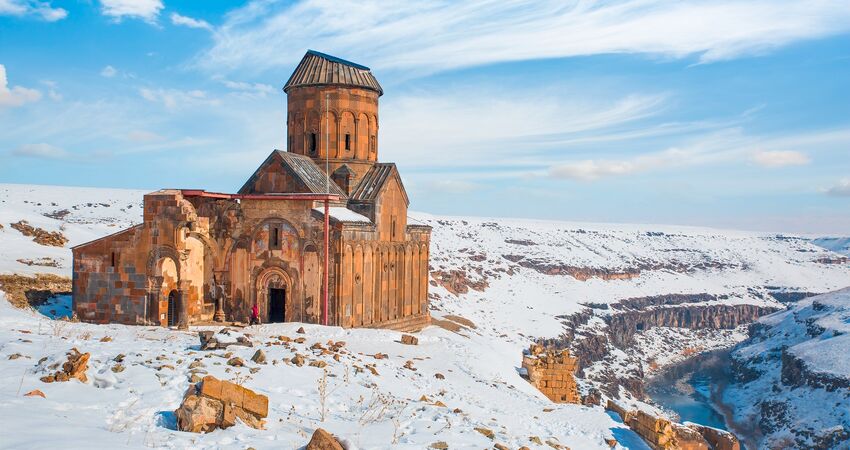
(618, 295)
(836, 244)
(792, 379)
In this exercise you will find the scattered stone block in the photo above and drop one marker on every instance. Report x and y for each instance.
(322, 440)
(408, 339)
(215, 403)
(486, 432)
(259, 357)
(35, 393)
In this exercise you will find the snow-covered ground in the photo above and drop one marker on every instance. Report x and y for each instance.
(518, 283)
(134, 408)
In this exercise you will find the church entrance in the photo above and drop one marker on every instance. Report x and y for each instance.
(172, 309)
(277, 305)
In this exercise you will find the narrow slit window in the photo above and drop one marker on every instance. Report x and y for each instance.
(347, 141)
(113, 259)
(275, 241)
(312, 142)
(393, 225)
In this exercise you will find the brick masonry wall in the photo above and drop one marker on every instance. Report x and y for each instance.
(553, 373)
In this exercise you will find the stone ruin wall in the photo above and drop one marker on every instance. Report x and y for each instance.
(662, 434)
(553, 373)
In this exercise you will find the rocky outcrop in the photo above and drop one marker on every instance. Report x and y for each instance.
(40, 235)
(663, 434)
(663, 300)
(322, 440)
(74, 367)
(626, 273)
(23, 291)
(213, 403)
(795, 373)
(457, 281)
(579, 273)
(623, 326)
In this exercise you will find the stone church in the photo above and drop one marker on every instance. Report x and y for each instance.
(319, 233)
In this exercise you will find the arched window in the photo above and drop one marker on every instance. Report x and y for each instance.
(312, 142)
(347, 141)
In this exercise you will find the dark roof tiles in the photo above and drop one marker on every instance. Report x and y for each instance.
(317, 69)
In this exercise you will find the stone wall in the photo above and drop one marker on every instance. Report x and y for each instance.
(663, 434)
(552, 372)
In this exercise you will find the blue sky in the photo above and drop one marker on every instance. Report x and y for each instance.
(731, 114)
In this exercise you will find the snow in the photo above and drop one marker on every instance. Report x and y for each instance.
(343, 214)
(134, 408)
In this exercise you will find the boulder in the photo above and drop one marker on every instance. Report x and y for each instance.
(236, 362)
(322, 440)
(259, 357)
(214, 403)
(74, 367)
(408, 339)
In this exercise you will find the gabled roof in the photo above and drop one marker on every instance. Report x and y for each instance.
(301, 168)
(318, 69)
(374, 181)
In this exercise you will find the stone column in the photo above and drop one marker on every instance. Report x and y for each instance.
(183, 310)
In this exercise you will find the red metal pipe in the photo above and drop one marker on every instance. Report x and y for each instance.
(327, 259)
(289, 196)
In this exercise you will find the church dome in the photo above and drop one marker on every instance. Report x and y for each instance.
(319, 69)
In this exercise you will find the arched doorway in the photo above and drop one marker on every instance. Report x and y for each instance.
(273, 294)
(172, 308)
(277, 304)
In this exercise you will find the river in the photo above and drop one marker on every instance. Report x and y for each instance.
(690, 388)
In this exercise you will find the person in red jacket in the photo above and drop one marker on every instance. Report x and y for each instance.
(255, 315)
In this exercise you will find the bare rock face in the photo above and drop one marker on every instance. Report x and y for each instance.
(623, 326)
(457, 281)
(40, 235)
(322, 440)
(214, 403)
(717, 439)
(74, 367)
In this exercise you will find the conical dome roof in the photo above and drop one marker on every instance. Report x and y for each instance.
(319, 69)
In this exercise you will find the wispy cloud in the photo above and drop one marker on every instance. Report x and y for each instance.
(42, 151)
(780, 158)
(432, 36)
(175, 98)
(108, 72)
(190, 22)
(147, 10)
(723, 146)
(42, 10)
(842, 189)
(15, 95)
(248, 90)
(477, 127)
